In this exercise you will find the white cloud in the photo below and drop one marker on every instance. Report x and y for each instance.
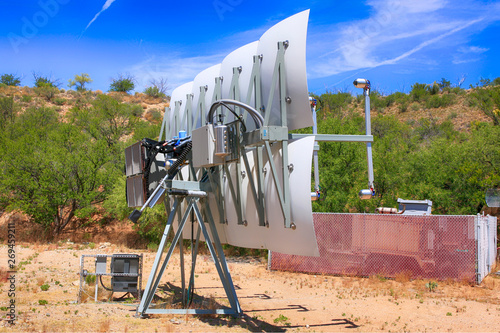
(394, 31)
(472, 49)
(468, 54)
(423, 6)
(104, 7)
(465, 61)
(175, 68)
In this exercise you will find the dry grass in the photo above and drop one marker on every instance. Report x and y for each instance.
(88, 294)
(40, 281)
(3, 275)
(104, 325)
(405, 276)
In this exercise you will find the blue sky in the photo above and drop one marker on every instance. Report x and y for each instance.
(394, 43)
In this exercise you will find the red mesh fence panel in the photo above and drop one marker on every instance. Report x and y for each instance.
(436, 247)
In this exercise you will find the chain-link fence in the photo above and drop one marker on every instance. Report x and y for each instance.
(433, 246)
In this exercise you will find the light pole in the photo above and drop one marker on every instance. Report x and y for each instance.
(365, 85)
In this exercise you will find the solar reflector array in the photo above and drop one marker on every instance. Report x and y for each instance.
(270, 76)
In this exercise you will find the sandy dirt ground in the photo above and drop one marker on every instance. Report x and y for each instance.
(271, 301)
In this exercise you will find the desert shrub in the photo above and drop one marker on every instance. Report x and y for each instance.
(444, 83)
(400, 97)
(65, 170)
(154, 92)
(390, 100)
(456, 91)
(122, 84)
(26, 98)
(152, 224)
(415, 106)
(434, 88)
(80, 81)
(45, 81)
(10, 80)
(360, 99)
(106, 119)
(496, 82)
(483, 82)
(419, 92)
(136, 110)
(403, 107)
(116, 202)
(157, 88)
(377, 101)
(46, 91)
(59, 101)
(437, 101)
(90, 279)
(331, 102)
(488, 101)
(154, 116)
(7, 110)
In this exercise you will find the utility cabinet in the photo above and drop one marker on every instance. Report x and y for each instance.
(124, 264)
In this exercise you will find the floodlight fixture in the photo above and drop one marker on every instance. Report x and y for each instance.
(362, 83)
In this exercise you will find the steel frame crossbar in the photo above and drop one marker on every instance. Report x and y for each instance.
(216, 252)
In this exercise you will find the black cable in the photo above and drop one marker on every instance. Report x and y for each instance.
(240, 119)
(102, 284)
(257, 117)
(180, 159)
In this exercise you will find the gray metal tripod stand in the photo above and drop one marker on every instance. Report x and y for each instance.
(217, 255)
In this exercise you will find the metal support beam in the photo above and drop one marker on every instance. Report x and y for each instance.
(217, 255)
(366, 92)
(254, 86)
(200, 107)
(333, 137)
(165, 124)
(177, 119)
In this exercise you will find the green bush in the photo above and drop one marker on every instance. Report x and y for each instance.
(7, 110)
(377, 101)
(330, 102)
(154, 92)
(45, 82)
(154, 115)
(434, 89)
(116, 202)
(437, 101)
(46, 91)
(90, 279)
(80, 81)
(488, 101)
(123, 84)
(403, 107)
(419, 92)
(44, 287)
(10, 80)
(152, 224)
(26, 98)
(444, 83)
(59, 101)
(136, 110)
